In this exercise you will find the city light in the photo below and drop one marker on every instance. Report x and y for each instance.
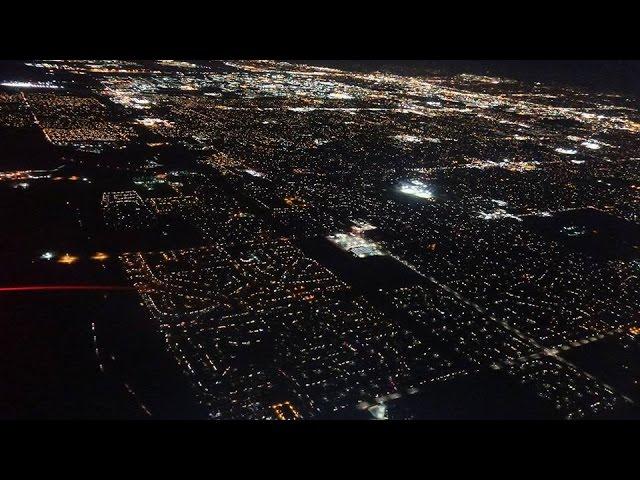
(356, 244)
(311, 242)
(67, 259)
(566, 151)
(591, 145)
(416, 188)
(254, 173)
(30, 85)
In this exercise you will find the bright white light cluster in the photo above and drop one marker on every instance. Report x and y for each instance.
(498, 213)
(29, 85)
(408, 138)
(566, 151)
(591, 145)
(152, 122)
(416, 188)
(254, 173)
(357, 245)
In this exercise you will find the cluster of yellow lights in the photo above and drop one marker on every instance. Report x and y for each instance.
(634, 330)
(67, 259)
(279, 408)
(291, 201)
(521, 167)
(73, 178)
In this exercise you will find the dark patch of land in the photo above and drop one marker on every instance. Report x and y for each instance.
(592, 232)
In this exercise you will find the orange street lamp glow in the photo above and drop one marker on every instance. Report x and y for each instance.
(100, 256)
(67, 259)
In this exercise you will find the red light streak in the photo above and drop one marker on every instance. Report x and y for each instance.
(65, 288)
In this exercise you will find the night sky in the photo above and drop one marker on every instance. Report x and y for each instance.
(614, 76)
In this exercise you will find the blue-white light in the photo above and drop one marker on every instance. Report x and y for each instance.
(417, 189)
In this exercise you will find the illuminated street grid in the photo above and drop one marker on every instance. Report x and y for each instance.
(74, 119)
(458, 174)
(125, 210)
(258, 326)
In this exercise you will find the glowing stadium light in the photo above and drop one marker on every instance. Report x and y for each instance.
(357, 245)
(254, 173)
(591, 145)
(417, 189)
(566, 151)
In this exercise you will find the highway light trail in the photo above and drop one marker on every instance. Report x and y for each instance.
(65, 288)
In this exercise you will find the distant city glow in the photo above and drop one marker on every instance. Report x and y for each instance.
(507, 164)
(417, 189)
(177, 63)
